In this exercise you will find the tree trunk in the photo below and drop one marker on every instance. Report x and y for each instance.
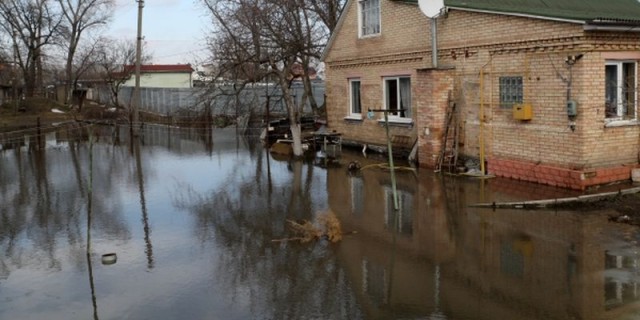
(68, 87)
(296, 136)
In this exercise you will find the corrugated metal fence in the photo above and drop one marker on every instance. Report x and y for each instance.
(174, 100)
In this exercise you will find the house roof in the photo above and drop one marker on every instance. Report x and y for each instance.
(161, 68)
(623, 11)
(583, 10)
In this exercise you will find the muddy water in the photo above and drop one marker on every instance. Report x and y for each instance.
(191, 216)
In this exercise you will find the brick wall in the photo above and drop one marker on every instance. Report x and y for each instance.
(545, 149)
(434, 87)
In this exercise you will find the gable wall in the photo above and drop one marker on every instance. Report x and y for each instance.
(403, 29)
(398, 51)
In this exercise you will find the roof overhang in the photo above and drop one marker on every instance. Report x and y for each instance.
(612, 25)
(516, 14)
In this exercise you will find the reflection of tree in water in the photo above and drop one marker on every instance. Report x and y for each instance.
(281, 280)
(44, 203)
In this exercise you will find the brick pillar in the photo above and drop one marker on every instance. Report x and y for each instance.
(432, 92)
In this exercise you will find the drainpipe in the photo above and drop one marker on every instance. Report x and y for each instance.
(434, 42)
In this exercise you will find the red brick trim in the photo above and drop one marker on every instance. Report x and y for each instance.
(557, 176)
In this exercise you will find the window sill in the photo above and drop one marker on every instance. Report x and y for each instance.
(369, 36)
(613, 123)
(353, 118)
(408, 122)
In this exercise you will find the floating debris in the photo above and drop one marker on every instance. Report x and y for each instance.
(353, 166)
(109, 258)
(327, 227)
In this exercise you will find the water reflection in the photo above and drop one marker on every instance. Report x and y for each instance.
(468, 263)
(135, 146)
(191, 215)
(92, 285)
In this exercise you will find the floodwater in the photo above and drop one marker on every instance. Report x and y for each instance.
(191, 216)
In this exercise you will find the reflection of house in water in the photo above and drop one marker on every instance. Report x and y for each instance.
(621, 278)
(467, 263)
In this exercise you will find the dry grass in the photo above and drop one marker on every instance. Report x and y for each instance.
(326, 226)
(332, 227)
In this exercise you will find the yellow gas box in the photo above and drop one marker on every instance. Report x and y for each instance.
(522, 111)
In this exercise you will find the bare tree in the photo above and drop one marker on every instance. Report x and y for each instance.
(113, 56)
(80, 16)
(85, 63)
(329, 11)
(258, 39)
(32, 24)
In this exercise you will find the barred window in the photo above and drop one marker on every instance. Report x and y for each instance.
(510, 91)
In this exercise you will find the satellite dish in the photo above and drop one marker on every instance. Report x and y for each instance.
(431, 8)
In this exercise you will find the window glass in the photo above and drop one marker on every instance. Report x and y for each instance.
(356, 106)
(620, 90)
(369, 17)
(510, 91)
(397, 93)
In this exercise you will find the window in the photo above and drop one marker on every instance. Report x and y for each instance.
(357, 196)
(356, 105)
(374, 282)
(511, 260)
(620, 288)
(401, 220)
(510, 91)
(620, 90)
(369, 17)
(397, 93)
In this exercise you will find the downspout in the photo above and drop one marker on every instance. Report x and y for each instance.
(434, 42)
(481, 118)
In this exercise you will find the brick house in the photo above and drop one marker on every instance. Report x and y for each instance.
(568, 68)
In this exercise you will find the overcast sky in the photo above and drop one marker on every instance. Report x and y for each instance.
(173, 29)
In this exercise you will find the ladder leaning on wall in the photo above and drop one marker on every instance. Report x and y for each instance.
(449, 151)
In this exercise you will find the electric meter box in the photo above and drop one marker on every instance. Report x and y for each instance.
(572, 108)
(522, 111)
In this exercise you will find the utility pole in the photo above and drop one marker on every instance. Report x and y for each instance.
(14, 70)
(136, 95)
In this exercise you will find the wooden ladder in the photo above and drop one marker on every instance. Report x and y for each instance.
(449, 151)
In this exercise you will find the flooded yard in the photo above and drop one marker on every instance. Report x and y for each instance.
(191, 216)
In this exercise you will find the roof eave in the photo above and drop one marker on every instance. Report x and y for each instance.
(516, 14)
(609, 27)
(338, 26)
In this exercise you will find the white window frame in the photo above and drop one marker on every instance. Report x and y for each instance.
(408, 117)
(369, 9)
(352, 113)
(619, 117)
